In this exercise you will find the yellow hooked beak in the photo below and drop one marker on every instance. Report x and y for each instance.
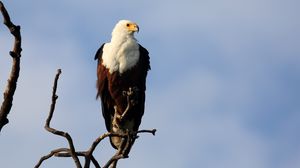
(132, 27)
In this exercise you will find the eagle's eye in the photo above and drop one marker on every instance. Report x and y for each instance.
(127, 25)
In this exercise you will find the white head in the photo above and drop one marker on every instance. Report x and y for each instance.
(125, 28)
(122, 52)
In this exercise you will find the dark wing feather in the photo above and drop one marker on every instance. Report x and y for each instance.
(99, 53)
(145, 62)
(103, 93)
(145, 58)
(144, 67)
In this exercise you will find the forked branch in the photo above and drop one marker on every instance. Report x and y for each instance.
(71, 151)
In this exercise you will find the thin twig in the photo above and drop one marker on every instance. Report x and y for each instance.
(89, 153)
(14, 74)
(153, 131)
(113, 159)
(52, 153)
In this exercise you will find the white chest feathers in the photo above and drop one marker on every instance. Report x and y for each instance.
(120, 56)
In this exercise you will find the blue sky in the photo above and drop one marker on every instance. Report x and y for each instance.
(223, 91)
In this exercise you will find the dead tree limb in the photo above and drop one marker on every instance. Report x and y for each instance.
(57, 132)
(128, 138)
(14, 74)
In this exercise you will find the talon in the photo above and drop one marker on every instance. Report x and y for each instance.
(130, 91)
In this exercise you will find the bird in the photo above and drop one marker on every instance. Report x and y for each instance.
(122, 70)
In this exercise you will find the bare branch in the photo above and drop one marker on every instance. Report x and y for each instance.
(113, 160)
(127, 141)
(89, 153)
(57, 132)
(14, 74)
(153, 131)
(52, 153)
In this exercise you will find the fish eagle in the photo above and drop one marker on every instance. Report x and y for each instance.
(121, 80)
